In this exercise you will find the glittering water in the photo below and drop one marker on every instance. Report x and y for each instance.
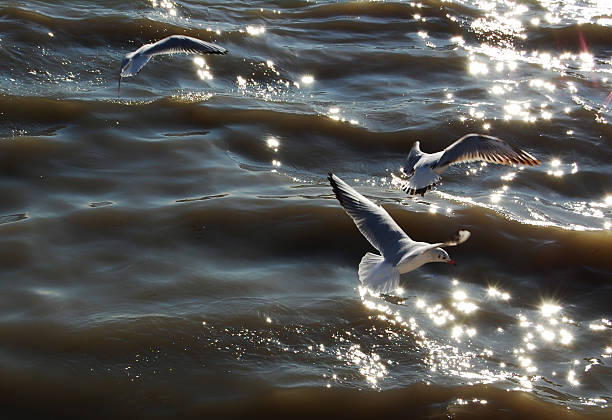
(177, 251)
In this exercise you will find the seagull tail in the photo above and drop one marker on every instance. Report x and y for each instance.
(378, 275)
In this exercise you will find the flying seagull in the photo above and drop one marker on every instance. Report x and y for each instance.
(136, 60)
(399, 253)
(424, 169)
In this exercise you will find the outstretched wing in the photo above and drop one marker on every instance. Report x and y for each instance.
(472, 147)
(183, 44)
(373, 221)
(132, 64)
(460, 237)
(413, 157)
(136, 60)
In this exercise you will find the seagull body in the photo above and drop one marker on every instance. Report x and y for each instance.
(424, 169)
(399, 253)
(134, 61)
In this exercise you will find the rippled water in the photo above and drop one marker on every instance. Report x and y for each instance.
(178, 252)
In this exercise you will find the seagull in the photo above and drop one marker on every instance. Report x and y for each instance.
(424, 169)
(399, 254)
(136, 60)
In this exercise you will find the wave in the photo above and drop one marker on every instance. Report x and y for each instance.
(575, 37)
(101, 31)
(304, 226)
(307, 136)
(103, 397)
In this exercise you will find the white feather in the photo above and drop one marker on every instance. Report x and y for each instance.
(378, 275)
(425, 169)
(400, 254)
(134, 61)
(423, 177)
(134, 65)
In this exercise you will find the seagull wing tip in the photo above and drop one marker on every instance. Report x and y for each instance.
(459, 237)
(465, 234)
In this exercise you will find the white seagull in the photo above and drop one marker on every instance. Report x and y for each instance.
(400, 254)
(424, 169)
(136, 60)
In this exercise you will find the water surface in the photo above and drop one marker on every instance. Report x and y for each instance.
(178, 252)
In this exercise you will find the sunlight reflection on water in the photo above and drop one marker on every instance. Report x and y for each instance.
(168, 6)
(506, 22)
(453, 345)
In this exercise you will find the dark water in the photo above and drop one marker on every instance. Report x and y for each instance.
(178, 252)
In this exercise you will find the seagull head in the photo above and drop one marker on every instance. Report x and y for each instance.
(440, 255)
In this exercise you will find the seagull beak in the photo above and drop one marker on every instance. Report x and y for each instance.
(452, 262)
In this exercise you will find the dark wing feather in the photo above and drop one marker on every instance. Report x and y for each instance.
(184, 44)
(473, 147)
(460, 237)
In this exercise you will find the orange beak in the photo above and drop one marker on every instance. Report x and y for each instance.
(452, 262)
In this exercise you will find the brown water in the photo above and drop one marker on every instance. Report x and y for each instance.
(178, 252)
